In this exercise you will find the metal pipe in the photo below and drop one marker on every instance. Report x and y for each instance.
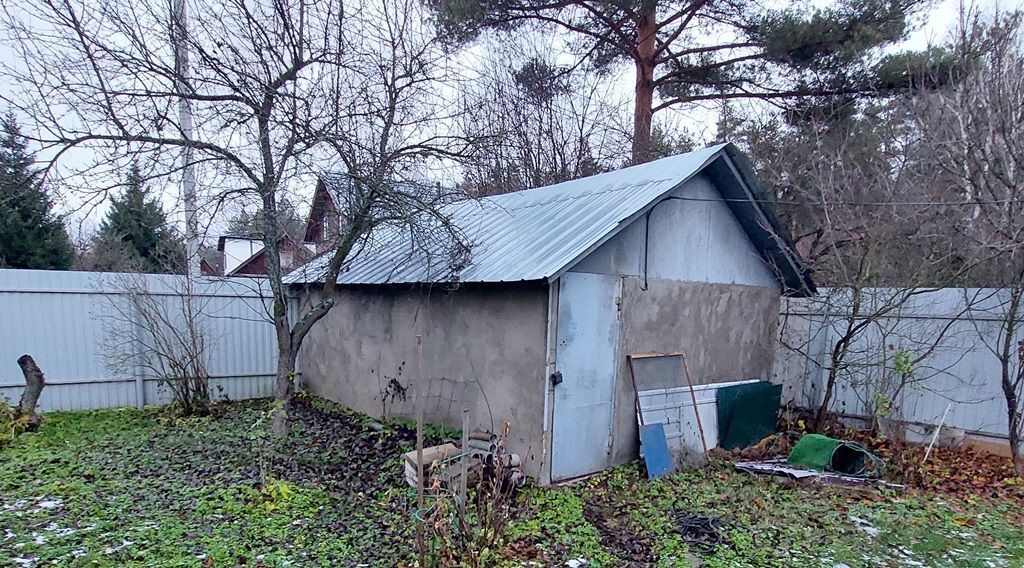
(484, 437)
(482, 446)
(516, 478)
(464, 462)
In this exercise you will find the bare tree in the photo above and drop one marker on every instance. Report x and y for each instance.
(1010, 352)
(879, 237)
(874, 342)
(976, 135)
(161, 333)
(278, 90)
(543, 123)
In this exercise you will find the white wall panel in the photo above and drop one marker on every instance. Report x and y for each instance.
(691, 237)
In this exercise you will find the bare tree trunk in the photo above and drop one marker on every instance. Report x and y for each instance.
(838, 359)
(822, 415)
(841, 348)
(34, 383)
(643, 103)
(285, 389)
(1012, 376)
(1014, 415)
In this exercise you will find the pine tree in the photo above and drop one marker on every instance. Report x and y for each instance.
(135, 235)
(687, 52)
(30, 235)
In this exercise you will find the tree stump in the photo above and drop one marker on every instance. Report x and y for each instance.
(34, 383)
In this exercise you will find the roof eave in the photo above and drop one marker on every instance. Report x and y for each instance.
(799, 283)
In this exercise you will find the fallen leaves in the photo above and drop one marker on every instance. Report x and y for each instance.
(957, 471)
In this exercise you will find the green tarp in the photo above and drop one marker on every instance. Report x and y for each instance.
(747, 413)
(821, 453)
(813, 451)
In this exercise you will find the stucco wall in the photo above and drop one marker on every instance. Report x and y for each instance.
(727, 332)
(483, 347)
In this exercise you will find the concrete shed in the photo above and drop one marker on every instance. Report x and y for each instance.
(679, 254)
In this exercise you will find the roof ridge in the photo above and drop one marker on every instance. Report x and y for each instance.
(567, 197)
(711, 151)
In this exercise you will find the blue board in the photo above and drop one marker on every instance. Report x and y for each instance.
(655, 449)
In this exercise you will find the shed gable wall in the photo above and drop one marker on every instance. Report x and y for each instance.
(694, 239)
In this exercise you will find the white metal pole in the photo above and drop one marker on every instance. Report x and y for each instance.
(188, 180)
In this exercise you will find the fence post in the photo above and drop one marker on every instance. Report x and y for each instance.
(138, 367)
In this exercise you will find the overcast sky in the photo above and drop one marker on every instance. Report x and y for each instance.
(934, 26)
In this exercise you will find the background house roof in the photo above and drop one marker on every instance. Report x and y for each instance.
(540, 233)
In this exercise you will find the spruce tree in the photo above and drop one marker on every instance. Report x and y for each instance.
(31, 236)
(135, 235)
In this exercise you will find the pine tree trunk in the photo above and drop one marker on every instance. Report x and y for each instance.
(34, 383)
(643, 99)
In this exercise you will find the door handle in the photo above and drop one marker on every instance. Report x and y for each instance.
(556, 378)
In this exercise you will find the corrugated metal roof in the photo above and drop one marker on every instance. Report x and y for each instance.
(528, 235)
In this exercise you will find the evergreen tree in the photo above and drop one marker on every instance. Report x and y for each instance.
(290, 221)
(135, 235)
(30, 235)
(690, 51)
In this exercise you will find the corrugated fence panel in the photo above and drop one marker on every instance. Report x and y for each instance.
(73, 324)
(958, 371)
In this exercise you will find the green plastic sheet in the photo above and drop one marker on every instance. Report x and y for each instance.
(747, 413)
(821, 453)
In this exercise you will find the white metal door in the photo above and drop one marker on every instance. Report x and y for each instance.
(588, 334)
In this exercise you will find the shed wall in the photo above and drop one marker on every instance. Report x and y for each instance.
(483, 348)
(707, 292)
(726, 330)
(694, 238)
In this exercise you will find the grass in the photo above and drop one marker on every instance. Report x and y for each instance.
(771, 523)
(122, 488)
(126, 488)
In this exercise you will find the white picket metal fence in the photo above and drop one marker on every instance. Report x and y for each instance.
(960, 372)
(73, 323)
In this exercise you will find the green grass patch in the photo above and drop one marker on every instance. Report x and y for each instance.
(130, 488)
(769, 522)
